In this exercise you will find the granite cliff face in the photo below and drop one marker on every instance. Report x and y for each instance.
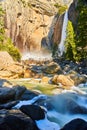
(30, 23)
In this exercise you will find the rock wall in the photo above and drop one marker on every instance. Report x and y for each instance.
(27, 22)
(30, 23)
(73, 14)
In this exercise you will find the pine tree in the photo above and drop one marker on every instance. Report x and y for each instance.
(81, 30)
(70, 46)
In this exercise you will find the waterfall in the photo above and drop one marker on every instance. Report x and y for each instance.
(63, 36)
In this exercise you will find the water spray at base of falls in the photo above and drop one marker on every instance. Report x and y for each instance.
(37, 56)
(63, 35)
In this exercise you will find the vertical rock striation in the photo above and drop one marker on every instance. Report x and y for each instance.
(27, 22)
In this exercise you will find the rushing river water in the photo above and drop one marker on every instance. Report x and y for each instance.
(60, 109)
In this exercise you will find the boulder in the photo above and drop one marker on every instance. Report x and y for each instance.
(27, 73)
(65, 80)
(16, 69)
(12, 71)
(76, 124)
(33, 111)
(8, 105)
(78, 79)
(5, 74)
(28, 95)
(14, 120)
(5, 60)
(19, 90)
(52, 68)
(6, 94)
(45, 79)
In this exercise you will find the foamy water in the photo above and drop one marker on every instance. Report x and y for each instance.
(61, 112)
(44, 124)
(63, 119)
(21, 103)
(47, 125)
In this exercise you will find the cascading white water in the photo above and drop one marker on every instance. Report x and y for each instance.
(71, 106)
(63, 35)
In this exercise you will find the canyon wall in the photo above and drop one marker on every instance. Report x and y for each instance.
(30, 23)
(27, 22)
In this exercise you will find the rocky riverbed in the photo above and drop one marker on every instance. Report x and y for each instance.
(55, 90)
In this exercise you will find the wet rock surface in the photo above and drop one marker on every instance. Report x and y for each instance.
(23, 118)
(15, 119)
(29, 109)
(76, 124)
(6, 94)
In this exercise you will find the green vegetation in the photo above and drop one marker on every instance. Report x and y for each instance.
(70, 45)
(6, 43)
(61, 8)
(11, 49)
(76, 39)
(81, 31)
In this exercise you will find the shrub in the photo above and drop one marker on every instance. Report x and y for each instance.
(81, 30)
(12, 50)
(6, 43)
(61, 8)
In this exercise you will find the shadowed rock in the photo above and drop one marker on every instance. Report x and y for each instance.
(14, 120)
(76, 124)
(33, 111)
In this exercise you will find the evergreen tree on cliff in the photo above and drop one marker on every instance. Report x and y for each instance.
(81, 31)
(76, 39)
(70, 46)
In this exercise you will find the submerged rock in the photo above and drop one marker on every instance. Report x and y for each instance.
(70, 103)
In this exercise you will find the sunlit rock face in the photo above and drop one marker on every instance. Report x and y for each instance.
(58, 30)
(29, 22)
